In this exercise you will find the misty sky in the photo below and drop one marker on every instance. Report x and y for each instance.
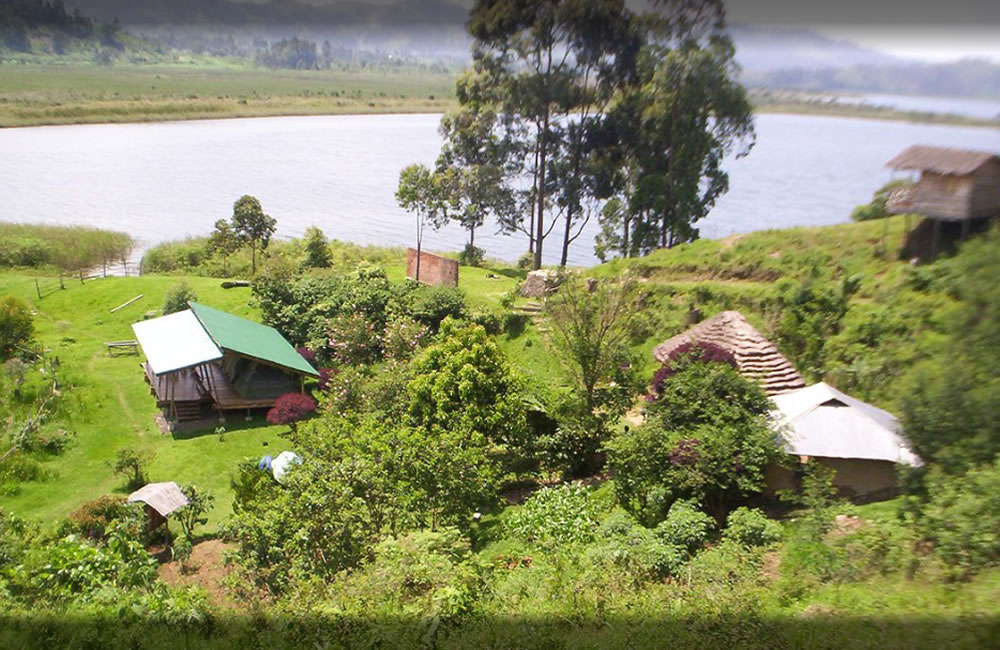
(925, 29)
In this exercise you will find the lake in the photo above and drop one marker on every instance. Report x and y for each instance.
(168, 180)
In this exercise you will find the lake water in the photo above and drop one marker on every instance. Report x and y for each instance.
(169, 180)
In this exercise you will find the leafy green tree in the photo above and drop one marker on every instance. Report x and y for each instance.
(951, 405)
(708, 437)
(252, 225)
(687, 114)
(200, 502)
(317, 247)
(591, 330)
(223, 241)
(16, 326)
(419, 191)
(178, 297)
(132, 464)
(550, 60)
(464, 383)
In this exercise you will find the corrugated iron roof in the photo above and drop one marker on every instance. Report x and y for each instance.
(756, 357)
(175, 341)
(250, 339)
(164, 498)
(941, 160)
(827, 423)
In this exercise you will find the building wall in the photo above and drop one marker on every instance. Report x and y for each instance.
(434, 269)
(943, 196)
(985, 199)
(854, 477)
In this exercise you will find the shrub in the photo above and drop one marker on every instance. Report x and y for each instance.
(181, 549)
(290, 409)
(431, 305)
(526, 262)
(192, 514)
(16, 325)
(471, 256)
(555, 515)
(403, 337)
(490, 320)
(750, 527)
(317, 249)
(685, 525)
(353, 340)
(178, 297)
(625, 546)
(962, 518)
(132, 464)
(685, 353)
(93, 518)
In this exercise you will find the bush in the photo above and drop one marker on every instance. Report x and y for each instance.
(555, 515)
(471, 256)
(184, 255)
(431, 305)
(685, 526)
(526, 262)
(181, 549)
(750, 527)
(491, 320)
(93, 518)
(132, 464)
(625, 546)
(353, 340)
(16, 326)
(178, 297)
(290, 409)
(403, 337)
(962, 518)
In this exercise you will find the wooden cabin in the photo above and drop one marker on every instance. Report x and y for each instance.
(955, 185)
(202, 362)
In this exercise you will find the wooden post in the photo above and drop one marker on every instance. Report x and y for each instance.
(81, 276)
(935, 239)
(37, 289)
(61, 285)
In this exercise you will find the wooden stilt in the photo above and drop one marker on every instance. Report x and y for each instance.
(936, 239)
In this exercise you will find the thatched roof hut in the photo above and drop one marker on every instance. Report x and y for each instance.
(954, 184)
(756, 357)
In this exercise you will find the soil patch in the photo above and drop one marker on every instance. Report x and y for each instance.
(205, 569)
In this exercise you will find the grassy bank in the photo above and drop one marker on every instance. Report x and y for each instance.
(75, 93)
(33, 95)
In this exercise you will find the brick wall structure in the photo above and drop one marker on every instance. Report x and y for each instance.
(434, 269)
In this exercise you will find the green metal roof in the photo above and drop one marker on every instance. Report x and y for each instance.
(249, 338)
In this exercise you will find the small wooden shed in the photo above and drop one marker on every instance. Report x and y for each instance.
(161, 500)
(955, 185)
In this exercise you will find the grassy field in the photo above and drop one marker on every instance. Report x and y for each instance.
(66, 94)
(48, 93)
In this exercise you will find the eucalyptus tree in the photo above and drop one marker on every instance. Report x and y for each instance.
(553, 62)
(689, 112)
(420, 191)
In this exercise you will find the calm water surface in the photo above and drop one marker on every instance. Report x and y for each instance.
(170, 180)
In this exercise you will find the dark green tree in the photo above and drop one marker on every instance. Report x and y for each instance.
(420, 192)
(317, 247)
(223, 241)
(252, 225)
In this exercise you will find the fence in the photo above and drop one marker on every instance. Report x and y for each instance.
(47, 286)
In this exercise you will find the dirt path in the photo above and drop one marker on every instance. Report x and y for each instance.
(206, 569)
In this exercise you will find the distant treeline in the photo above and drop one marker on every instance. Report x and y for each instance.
(20, 17)
(970, 78)
(68, 247)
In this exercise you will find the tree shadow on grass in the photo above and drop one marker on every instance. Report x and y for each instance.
(233, 424)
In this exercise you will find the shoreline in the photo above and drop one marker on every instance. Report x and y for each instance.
(180, 112)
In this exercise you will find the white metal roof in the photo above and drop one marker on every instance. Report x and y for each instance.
(164, 498)
(175, 341)
(824, 422)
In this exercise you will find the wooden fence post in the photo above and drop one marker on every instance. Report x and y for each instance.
(61, 285)
(37, 289)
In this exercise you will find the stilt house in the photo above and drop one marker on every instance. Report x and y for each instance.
(203, 361)
(955, 185)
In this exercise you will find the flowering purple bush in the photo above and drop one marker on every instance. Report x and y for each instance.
(325, 375)
(699, 351)
(307, 354)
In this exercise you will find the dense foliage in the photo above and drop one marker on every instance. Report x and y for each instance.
(178, 297)
(708, 437)
(16, 326)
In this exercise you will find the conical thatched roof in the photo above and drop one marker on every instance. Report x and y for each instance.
(755, 356)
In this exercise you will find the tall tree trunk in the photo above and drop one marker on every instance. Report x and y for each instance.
(534, 184)
(625, 249)
(253, 257)
(565, 245)
(540, 232)
(472, 236)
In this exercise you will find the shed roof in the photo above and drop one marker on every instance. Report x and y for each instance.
(164, 498)
(941, 160)
(250, 339)
(825, 422)
(175, 341)
(756, 357)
